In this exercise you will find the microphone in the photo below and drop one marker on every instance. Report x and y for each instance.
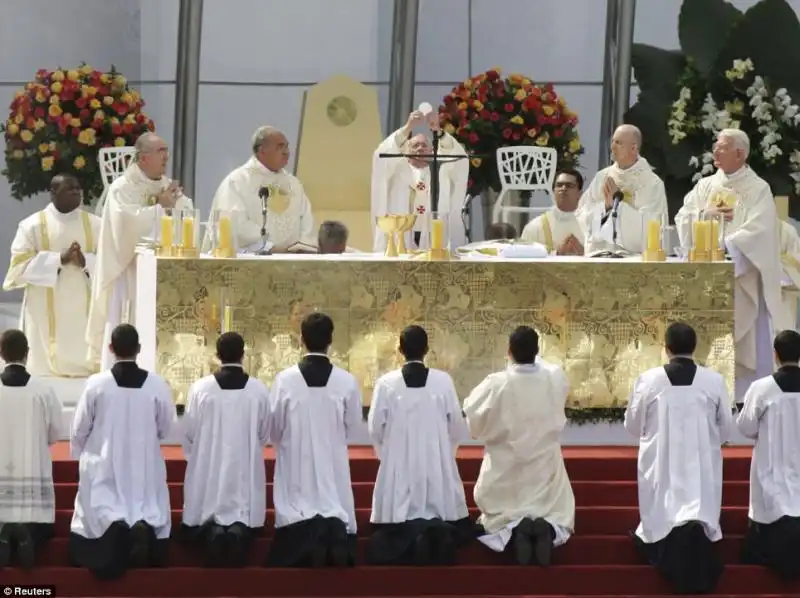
(263, 193)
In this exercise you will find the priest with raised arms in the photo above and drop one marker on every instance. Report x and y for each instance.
(122, 514)
(419, 513)
(225, 430)
(523, 491)
(315, 409)
(403, 185)
(746, 203)
(771, 416)
(559, 229)
(288, 219)
(53, 260)
(681, 414)
(129, 213)
(629, 183)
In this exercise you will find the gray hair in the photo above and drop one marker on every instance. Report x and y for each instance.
(332, 232)
(261, 135)
(144, 142)
(739, 138)
(633, 131)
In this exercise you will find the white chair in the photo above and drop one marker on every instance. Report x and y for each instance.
(524, 168)
(113, 161)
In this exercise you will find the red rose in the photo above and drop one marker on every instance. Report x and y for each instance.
(76, 131)
(484, 114)
(81, 102)
(39, 112)
(140, 118)
(84, 114)
(509, 107)
(515, 136)
(558, 133)
(473, 138)
(494, 117)
(30, 122)
(492, 75)
(116, 129)
(507, 133)
(120, 108)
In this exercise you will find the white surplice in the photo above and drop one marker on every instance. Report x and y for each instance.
(400, 188)
(30, 421)
(645, 196)
(519, 415)
(56, 302)
(310, 429)
(789, 242)
(129, 214)
(680, 430)
(752, 242)
(552, 228)
(289, 216)
(416, 432)
(116, 438)
(225, 432)
(772, 418)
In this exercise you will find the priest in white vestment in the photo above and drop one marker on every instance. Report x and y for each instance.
(419, 512)
(559, 229)
(122, 513)
(403, 185)
(315, 408)
(53, 260)
(745, 201)
(771, 416)
(225, 431)
(523, 491)
(30, 420)
(789, 242)
(681, 414)
(266, 199)
(632, 187)
(129, 214)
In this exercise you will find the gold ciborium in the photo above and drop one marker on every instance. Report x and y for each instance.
(408, 221)
(390, 225)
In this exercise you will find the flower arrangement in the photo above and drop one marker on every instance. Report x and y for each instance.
(489, 111)
(58, 123)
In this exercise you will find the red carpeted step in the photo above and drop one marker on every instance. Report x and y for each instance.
(580, 550)
(380, 581)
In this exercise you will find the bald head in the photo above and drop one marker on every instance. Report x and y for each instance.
(271, 148)
(152, 155)
(625, 145)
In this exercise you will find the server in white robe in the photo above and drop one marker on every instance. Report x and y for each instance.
(225, 431)
(129, 214)
(789, 242)
(419, 513)
(771, 416)
(523, 491)
(122, 514)
(745, 201)
(403, 185)
(30, 419)
(681, 415)
(315, 408)
(628, 188)
(53, 260)
(559, 229)
(266, 198)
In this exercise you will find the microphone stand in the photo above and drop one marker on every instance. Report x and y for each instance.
(263, 193)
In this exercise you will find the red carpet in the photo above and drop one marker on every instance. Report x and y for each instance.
(598, 561)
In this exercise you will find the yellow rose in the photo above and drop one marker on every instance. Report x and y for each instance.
(130, 119)
(44, 148)
(54, 99)
(75, 122)
(548, 110)
(108, 100)
(114, 120)
(476, 162)
(73, 75)
(517, 120)
(79, 162)
(526, 81)
(88, 91)
(520, 95)
(38, 125)
(18, 154)
(54, 110)
(86, 69)
(462, 106)
(40, 97)
(87, 137)
(542, 139)
(135, 95)
(19, 119)
(47, 163)
(52, 145)
(57, 76)
(104, 79)
(99, 115)
(127, 98)
(478, 105)
(574, 145)
(12, 129)
(94, 104)
(120, 80)
(26, 135)
(56, 87)
(119, 142)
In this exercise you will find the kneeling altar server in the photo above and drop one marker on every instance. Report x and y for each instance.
(122, 515)
(315, 407)
(225, 431)
(419, 512)
(681, 414)
(523, 490)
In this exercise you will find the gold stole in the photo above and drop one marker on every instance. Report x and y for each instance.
(548, 232)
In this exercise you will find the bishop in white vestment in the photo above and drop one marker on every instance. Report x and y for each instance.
(523, 491)
(681, 415)
(789, 242)
(771, 416)
(419, 513)
(122, 513)
(638, 191)
(559, 229)
(129, 214)
(403, 185)
(284, 211)
(315, 408)
(745, 201)
(53, 260)
(225, 431)
(30, 420)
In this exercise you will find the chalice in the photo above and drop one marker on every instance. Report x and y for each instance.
(407, 223)
(389, 225)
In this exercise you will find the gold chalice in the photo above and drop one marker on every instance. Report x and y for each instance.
(724, 199)
(389, 225)
(408, 221)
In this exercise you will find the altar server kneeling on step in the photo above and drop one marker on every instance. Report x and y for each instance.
(771, 416)
(419, 512)
(30, 417)
(225, 431)
(681, 414)
(315, 408)
(122, 513)
(523, 491)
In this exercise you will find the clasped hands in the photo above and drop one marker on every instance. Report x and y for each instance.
(170, 195)
(610, 187)
(716, 211)
(73, 255)
(570, 246)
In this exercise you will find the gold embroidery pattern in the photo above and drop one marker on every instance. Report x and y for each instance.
(548, 232)
(44, 234)
(88, 247)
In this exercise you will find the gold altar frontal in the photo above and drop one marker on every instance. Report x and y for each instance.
(602, 321)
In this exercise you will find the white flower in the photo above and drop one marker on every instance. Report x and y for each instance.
(694, 162)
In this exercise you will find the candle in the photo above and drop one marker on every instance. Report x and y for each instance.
(701, 230)
(714, 234)
(166, 231)
(187, 238)
(214, 313)
(225, 234)
(227, 325)
(653, 235)
(437, 234)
